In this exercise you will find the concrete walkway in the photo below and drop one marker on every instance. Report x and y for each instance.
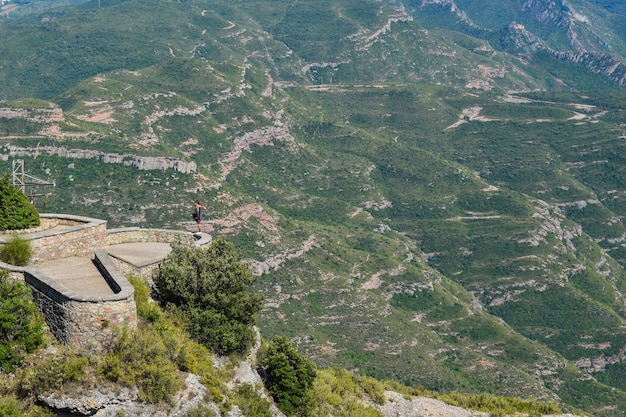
(140, 254)
(77, 274)
(81, 275)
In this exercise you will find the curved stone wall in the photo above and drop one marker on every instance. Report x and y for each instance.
(65, 236)
(79, 320)
(83, 322)
(136, 235)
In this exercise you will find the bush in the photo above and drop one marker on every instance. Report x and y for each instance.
(146, 308)
(250, 402)
(16, 251)
(15, 211)
(210, 289)
(21, 325)
(338, 392)
(289, 375)
(10, 408)
(56, 372)
(142, 359)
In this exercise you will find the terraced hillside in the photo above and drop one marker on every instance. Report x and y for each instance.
(410, 216)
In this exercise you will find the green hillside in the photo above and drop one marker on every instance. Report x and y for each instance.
(410, 216)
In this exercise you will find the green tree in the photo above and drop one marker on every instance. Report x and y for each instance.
(15, 211)
(210, 288)
(289, 375)
(21, 325)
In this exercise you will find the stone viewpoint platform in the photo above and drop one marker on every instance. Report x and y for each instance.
(77, 273)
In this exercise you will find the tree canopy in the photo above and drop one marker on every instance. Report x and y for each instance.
(15, 211)
(210, 288)
(289, 375)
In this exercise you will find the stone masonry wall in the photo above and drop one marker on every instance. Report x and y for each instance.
(145, 271)
(85, 322)
(86, 325)
(79, 321)
(72, 236)
(135, 234)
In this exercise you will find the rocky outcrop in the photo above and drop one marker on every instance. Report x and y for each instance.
(115, 401)
(398, 405)
(516, 39)
(144, 163)
(33, 115)
(451, 5)
(596, 62)
(600, 364)
(548, 12)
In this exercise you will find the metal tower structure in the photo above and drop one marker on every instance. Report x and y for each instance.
(21, 180)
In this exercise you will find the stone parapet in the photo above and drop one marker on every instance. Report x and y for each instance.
(87, 321)
(66, 236)
(135, 235)
(82, 321)
(145, 271)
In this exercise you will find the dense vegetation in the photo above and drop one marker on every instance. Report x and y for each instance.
(409, 217)
(210, 289)
(15, 210)
(289, 375)
(154, 356)
(21, 325)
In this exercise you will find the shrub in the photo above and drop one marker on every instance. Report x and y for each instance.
(21, 325)
(10, 408)
(16, 251)
(146, 308)
(15, 211)
(250, 402)
(340, 393)
(200, 411)
(55, 372)
(210, 288)
(289, 375)
(141, 359)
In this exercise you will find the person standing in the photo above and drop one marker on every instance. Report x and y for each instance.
(197, 213)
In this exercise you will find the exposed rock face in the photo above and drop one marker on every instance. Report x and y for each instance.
(521, 42)
(33, 115)
(144, 163)
(398, 405)
(451, 5)
(90, 401)
(598, 63)
(599, 364)
(116, 401)
(547, 12)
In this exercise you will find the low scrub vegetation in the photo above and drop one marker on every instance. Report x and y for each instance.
(21, 325)
(17, 251)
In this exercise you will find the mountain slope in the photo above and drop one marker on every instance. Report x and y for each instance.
(324, 42)
(408, 216)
